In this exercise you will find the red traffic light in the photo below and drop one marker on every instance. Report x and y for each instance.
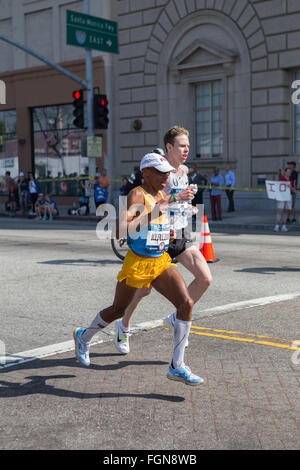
(78, 109)
(100, 112)
(104, 102)
(77, 94)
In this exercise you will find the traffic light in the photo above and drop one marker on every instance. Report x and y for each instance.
(100, 112)
(78, 111)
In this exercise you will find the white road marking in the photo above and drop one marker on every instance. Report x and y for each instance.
(249, 303)
(26, 356)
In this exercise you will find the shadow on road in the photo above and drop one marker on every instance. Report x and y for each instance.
(37, 384)
(81, 262)
(268, 270)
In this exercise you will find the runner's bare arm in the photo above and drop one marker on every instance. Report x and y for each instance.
(136, 211)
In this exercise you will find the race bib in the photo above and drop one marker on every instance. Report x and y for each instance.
(158, 240)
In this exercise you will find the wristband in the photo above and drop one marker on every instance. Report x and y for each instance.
(174, 197)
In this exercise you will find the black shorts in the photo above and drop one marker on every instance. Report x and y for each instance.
(12, 197)
(179, 245)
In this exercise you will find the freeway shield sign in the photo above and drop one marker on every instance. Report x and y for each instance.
(92, 32)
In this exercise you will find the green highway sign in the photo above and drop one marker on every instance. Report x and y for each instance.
(92, 32)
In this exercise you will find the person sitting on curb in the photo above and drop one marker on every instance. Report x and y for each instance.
(50, 208)
(39, 206)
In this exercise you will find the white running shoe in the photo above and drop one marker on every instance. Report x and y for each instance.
(185, 375)
(284, 228)
(82, 349)
(168, 322)
(121, 339)
(276, 228)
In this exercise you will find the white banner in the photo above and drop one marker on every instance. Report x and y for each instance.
(279, 190)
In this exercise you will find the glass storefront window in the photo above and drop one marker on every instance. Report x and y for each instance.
(9, 160)
(58, 148)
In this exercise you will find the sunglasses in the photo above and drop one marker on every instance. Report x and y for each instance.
(161, 173)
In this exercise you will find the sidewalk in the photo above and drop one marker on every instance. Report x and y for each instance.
(242, 219)
(251, 219)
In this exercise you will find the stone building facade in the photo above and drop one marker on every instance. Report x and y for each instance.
(224, 69)
(174, 53)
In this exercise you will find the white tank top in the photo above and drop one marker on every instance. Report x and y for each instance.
(178, 211)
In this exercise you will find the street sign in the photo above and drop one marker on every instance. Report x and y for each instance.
(92, 32)
(94, 146)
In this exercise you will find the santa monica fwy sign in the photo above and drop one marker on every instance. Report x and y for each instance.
(92, 32)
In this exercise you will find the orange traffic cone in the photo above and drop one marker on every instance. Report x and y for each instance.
(206, 246)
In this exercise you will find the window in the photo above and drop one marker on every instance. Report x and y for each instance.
(8, 144)
(57, 148)
(297, 122)
(209, 126)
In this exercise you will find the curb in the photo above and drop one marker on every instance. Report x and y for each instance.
(58, 218)
(254, 226)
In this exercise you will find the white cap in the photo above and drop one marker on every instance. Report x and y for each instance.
(153, 160)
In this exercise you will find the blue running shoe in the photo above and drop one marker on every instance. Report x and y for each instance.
(82, 349)
(184, 374)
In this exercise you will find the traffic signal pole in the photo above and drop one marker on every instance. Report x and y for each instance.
(90, 105)
(44, 59)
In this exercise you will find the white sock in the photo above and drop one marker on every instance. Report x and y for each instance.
(172, 318)
(123, 328)
(96, 325)
(181, 332)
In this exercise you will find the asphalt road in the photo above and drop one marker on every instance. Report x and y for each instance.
(242, 342)
(56, 276)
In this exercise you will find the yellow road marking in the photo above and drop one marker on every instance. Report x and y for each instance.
(245, 340)
(248, 340)
(241, 333)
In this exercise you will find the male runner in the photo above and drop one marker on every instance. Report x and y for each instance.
(176, 141)
(147, 263)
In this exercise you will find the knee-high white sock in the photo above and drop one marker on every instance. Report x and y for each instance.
(181, 332)
(96, 325)
(172, 318)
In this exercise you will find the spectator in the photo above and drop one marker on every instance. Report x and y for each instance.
(34, 190)
(104, 180)
(86, 186)
(39, 207)
(294, 177)
(229, 183)
(134, 180)
(100, 192)
(50, 207)
(215, 195)
(195, 177)
(123, 187)
(284, 206)
(12, 193)
(23, 193)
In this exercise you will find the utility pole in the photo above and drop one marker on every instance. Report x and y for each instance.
(90, 106)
